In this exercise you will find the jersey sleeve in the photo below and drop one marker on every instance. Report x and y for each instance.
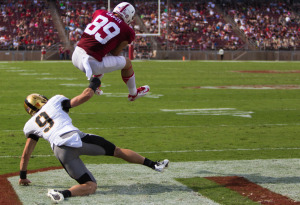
(66, 105)
(34, 137)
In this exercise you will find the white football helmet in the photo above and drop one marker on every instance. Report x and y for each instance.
(126, 11)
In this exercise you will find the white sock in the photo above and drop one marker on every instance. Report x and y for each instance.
(130, 82)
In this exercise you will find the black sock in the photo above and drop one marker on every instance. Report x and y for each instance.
(149, 163)
(66, 193)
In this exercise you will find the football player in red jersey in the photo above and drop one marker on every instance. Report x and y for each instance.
(99, 48)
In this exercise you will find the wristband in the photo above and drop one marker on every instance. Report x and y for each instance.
(23, 174)
(95, 83)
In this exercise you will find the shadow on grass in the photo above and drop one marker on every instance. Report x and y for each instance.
(140, 189)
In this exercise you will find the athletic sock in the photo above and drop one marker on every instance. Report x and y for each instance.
(149, 163)
(66, 193)
(130, 82)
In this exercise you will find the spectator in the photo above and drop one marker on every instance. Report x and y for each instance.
(61, 51)
(67, 54)
(43, 53)
(221, 53)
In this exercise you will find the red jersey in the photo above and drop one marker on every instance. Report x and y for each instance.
(104, 34)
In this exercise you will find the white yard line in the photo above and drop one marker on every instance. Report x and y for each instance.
(156, 127)
(186, 151)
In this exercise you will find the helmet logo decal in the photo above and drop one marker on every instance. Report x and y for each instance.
(126, 11)
(124, 8)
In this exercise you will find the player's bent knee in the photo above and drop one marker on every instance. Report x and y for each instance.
(128, 64)
(92, 187)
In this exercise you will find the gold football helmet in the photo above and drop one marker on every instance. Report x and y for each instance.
(34, 102)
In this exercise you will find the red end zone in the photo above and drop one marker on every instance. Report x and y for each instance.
(252, 191)
(8, 194)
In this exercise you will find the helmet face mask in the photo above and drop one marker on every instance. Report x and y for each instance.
(126, 11)
(34, 102)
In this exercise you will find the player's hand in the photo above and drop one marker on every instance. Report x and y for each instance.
(24, 182)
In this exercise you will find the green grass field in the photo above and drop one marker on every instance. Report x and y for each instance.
(223, 124)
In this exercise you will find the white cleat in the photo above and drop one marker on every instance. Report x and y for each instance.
(98, 91)
(55, 196)
(160, 166)
(141, 92)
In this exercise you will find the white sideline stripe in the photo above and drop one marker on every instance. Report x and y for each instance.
(214, 61)
(159, 127)
(185, 151)
(136, 184)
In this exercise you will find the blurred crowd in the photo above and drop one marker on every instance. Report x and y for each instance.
(186, 25)
(192, 25)
(26, 25)
(271, 25)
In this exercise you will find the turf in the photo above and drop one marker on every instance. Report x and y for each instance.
(160, 126)
(215, 191)
(144, 127)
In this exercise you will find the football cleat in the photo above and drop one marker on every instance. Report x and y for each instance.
(98, 91)
(55, 196)
(160, 166)
(141, 92)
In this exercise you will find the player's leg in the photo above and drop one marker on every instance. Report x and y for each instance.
(69, 158)
(80, 60)
(100, 146)
(128, 77)
(133, 157)
(87, 188)
(113, 63)
(130, 156)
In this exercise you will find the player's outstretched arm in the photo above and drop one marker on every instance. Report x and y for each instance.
(86, 94)
(28, 149)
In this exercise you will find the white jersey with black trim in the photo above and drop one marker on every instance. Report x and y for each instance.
(51, 122)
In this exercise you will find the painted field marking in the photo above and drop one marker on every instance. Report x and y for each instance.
(117, 95)
(185, 151)
(34, 74)
(252, 191)
(82, 85)
(17, 70)
(211, 111)
(154, 127)
(136, 184)
(9, 68)
(249, 87)
(267, 71)
(56, 78)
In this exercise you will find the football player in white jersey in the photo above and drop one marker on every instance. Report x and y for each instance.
(50, 120)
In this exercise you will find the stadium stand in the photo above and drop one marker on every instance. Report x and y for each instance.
(270, 25)
(26, 25)
(185, 24)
